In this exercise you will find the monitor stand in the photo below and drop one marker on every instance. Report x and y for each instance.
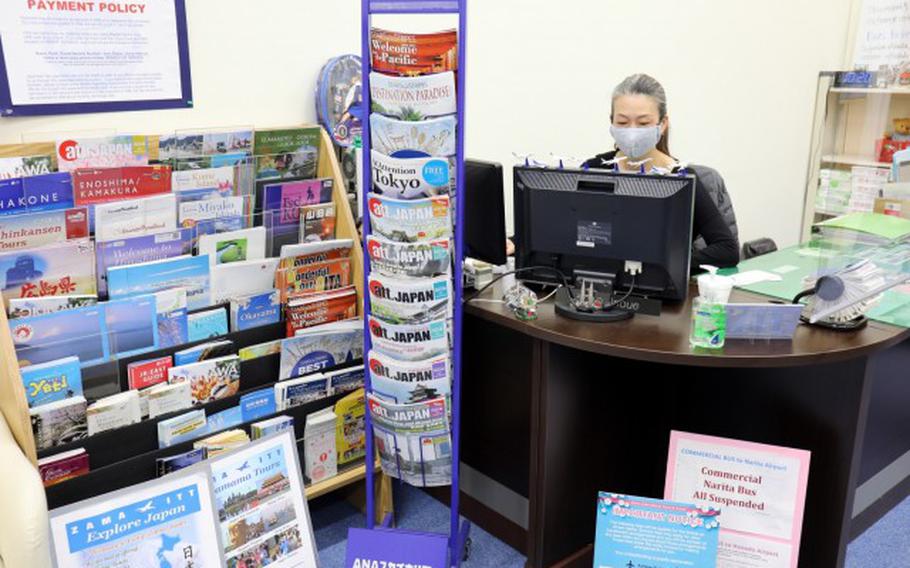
(590, 296)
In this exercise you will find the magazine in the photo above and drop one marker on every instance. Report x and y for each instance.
(317, 223)
(302, 254)
(410, 301)
(413, 441)
(408, 260)
(210, 379)
(299, 164)
(413, 98)
(405, 139)
(410, 342)
(190, 272)
(287, 140)
(60, 269)
(141, 249)
(218, 179)
(105, 152)
(103, 185)
(22, 166)
(397, 53)
(410, 221)
(318, 277)
(135, 217)
(321, 348)
(405, 382)
(234, 246)
(315, 309)
(166, 522)
(32, 230)
(410, 178)
(261, 505)
(24, 307)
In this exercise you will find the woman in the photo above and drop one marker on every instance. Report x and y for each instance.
(641, 128)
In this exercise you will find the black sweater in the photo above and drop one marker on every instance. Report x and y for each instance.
(722, 248)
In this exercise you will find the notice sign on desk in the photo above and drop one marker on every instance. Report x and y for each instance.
(759, 489)
(59, 57)
(637, 532)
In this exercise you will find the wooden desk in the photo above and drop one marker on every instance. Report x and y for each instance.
(557, 409)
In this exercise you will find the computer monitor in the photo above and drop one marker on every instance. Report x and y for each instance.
(589, 223)
(485, 217)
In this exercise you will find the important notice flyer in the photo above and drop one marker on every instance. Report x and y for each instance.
(760, 490)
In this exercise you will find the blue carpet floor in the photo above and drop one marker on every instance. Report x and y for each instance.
(885, 545)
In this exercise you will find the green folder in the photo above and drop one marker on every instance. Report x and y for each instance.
(885, 226)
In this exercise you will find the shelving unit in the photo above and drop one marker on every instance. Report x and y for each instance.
(126, 456)
(848, 125)
(458, 541)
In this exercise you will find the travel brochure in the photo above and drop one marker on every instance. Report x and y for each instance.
(135, 217)
(45, 192)
(190, 272)
(52, 381)
(410, 221)
(24, 307)
(321, 348)
(241, 278)
(410, 178)
(312, 278)
(234, 246)
(409, 260)
(138, 250)
(406, 382)
(218, 179)
(413, 98)
(209, 380)
(397, 53)
(106, 152)
(304, 254)
(34, 230)
(407, 139)
(59, 269)
(413, 440)
(23, 166)
(315, 309)
(317, 223)
(410, 301)
(103, 185)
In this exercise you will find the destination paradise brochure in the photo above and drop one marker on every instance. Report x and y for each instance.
(60, 269)
(190, 272)
(46, 192)
(33, 230)
(163, 522)
(413, 98)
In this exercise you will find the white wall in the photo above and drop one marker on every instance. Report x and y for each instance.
(740, 77)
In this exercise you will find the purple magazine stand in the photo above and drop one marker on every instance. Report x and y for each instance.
(458, 531)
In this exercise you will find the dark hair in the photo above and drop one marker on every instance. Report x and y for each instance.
(641, 84)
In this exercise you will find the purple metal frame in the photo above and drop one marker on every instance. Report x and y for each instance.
(8, 109)
(458, 532)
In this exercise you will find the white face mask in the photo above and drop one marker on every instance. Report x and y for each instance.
(635, 142)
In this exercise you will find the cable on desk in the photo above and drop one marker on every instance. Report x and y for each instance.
(565, 281)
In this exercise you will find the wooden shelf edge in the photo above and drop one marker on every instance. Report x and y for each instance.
(343, 479)
(854, 161)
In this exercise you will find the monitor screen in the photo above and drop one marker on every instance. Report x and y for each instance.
(592, 222)
(485, 218)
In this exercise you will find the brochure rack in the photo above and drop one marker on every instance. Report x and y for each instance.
(127, 455)
(458, 541)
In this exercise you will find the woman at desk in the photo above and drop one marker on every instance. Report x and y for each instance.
(641, 129)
